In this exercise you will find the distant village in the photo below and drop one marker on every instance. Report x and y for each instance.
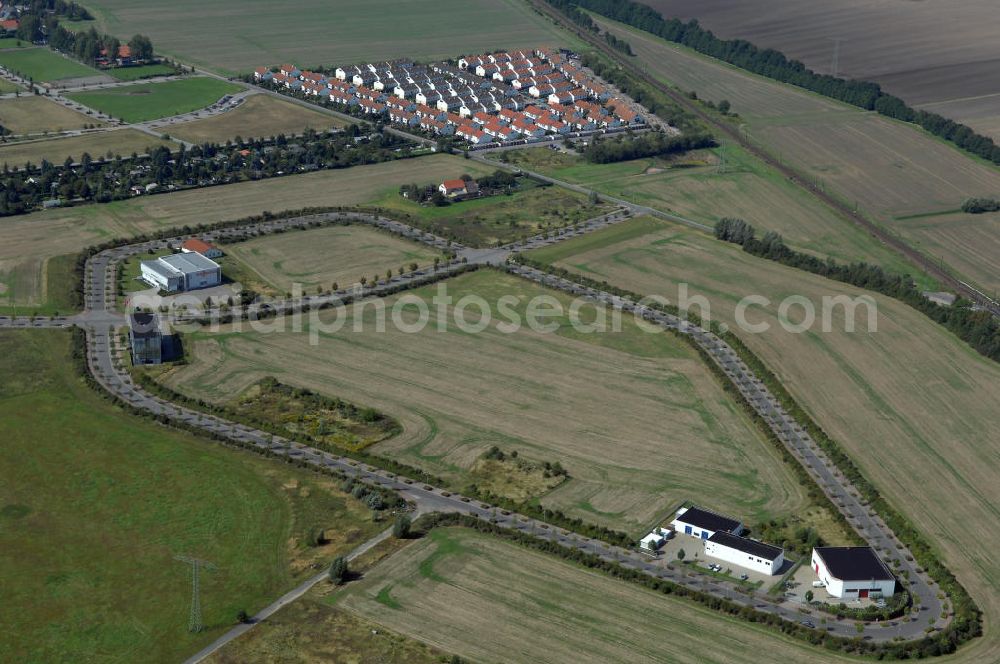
(488, 99)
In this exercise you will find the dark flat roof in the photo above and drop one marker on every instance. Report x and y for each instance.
(854, 563)
(708, 520)
(749, 546)
(144, 325)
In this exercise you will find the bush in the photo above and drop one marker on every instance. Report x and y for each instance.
(338, 570)
(401, 527)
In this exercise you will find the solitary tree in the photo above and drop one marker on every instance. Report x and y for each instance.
(681, 555)
(338, 570)
(809, 595)
(401, 528)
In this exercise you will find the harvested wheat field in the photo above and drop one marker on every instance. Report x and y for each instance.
(322, 256)
(122, 142)
(896, 43)
(913, 405)
(696, 186)
(635, 418)
(494, 601)
(885, 168)
(60, 231)
(260, 116)
(34, 114)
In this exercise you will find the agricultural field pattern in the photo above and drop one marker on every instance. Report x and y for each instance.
(499, 331)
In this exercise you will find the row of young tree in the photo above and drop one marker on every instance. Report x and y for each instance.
(775, 65)
(112, 178)
(649, 144)
(978, 328)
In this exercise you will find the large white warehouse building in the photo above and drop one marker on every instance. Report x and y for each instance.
(852, 572)
(181, 272)
(744, 552)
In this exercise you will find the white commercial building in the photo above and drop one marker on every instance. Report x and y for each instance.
(743, 552)
(181, 272)
(853, 572)
(654, 540)
(700, 523)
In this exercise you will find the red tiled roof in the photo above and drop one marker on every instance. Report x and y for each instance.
(198, 246)
(454, 184)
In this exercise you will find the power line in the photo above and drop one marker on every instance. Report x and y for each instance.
(194, 620)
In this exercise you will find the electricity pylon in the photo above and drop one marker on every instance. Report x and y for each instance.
(720, 168)
(194, 621)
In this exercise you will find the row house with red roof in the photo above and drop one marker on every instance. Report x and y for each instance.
(405, 118)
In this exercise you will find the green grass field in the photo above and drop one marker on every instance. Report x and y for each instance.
(12, 42)
(493, 601)
(42, 64)
(236, 38)
(634, 417)
(95, 503)
(149, 101)
(7, 86)
(140, 72)
(495, 220)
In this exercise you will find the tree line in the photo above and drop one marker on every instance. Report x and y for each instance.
(40, 23)
(980, 205)
(775, 65)
(977, 328)
(648, 144)
(112, 177)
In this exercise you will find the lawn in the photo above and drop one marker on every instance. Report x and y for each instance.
(95, 504)
(493, 220)
(43, 64)
(323, 256)
(43, 286)
(259, 116)
(235, 38)
(490, 600)
(140, 72)
(12, 42)
(913, 406)
(6, 86)
(121, 142)
(886, 169)
(34, 237)
(634, 417)
(149, 101)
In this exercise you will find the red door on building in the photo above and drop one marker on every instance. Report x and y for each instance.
(862, 594)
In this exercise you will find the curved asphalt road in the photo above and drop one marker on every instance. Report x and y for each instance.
(104, 358)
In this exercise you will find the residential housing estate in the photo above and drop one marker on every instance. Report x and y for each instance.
(489, 98)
